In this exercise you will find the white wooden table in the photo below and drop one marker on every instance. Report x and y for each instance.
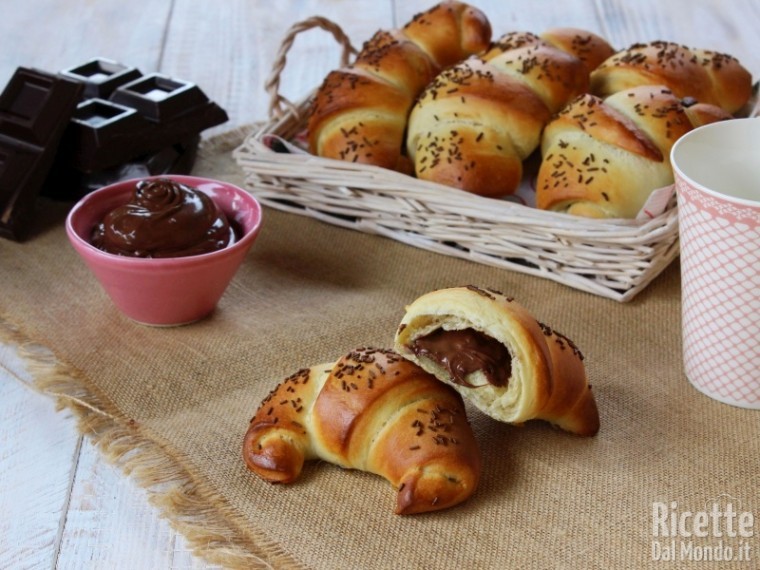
(61, 505)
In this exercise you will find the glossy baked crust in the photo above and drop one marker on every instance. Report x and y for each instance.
(375, 411)
(603, 158)
(476, 123)
(359, 113)
(704, 75)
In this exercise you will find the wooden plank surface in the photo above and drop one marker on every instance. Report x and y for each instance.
(39, 450)
(63, 506)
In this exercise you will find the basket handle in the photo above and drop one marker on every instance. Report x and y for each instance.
(272, 84)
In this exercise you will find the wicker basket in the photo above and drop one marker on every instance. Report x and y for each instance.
(611, 258)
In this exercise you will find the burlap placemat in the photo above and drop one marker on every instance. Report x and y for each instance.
(170, 406)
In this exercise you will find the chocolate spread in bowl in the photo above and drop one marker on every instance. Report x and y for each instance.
(465, 351)
(164, 219)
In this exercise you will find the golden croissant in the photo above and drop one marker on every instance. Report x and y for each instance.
(375, 411)
(703, 75)
(478, 121)
(603, 158)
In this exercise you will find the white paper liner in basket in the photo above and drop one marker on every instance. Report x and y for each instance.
(615, 259)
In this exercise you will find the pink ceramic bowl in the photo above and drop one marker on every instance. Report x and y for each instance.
(169, 291)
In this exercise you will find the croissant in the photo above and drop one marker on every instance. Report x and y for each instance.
(374, 411)
(359, 113)
(704, 75)
(499, 357)
(589, 47)
(603, 158)
(476, 123)
(701, 114)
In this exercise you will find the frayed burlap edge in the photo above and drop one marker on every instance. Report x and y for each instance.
(206, 520)
(211, 527)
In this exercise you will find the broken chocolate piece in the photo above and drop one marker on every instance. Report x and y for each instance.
(35, 108)
(140, 117)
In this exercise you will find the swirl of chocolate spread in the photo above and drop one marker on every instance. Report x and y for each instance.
(164, 219)
(465, 351)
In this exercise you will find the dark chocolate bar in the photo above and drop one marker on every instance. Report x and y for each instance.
(66, 183)
(35, 108)
(140, 117)
(68, 134)
(101, 77)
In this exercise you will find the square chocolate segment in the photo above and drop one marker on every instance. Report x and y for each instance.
(27, 113)
(97, 112)
(159, 97)
(101, 76)
(101, 134)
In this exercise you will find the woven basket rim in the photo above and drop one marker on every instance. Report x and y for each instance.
(308, 179)
(612, 258)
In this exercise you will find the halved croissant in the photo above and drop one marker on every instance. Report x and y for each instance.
(360, 112)
(477, 122)
(603, 158)
(499, 357)
(707, 76)
(375, 411)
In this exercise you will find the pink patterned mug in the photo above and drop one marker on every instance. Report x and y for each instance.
(717, 173)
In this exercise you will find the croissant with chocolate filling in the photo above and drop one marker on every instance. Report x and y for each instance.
(375, 411)
(499, 357)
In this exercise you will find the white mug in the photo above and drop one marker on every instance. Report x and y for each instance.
(717, 174)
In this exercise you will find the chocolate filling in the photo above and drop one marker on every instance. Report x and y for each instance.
(465, 351)
(164, 218)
